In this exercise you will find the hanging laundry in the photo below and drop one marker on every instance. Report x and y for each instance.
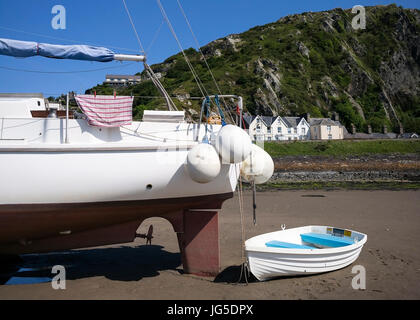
(106, 111)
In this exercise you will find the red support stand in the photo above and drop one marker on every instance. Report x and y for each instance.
(199, 242)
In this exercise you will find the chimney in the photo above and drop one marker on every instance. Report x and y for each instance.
(369, 127)
(353, 128)
(336, 117)
(401, 129)
(385, 129)
(308, 117)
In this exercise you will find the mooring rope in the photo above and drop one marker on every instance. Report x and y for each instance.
(241, 212)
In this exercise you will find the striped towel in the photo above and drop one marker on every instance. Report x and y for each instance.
(106, 111)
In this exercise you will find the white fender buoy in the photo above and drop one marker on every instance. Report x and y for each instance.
(253, 165)
(203, 163)
(258, 167)
(233, 144)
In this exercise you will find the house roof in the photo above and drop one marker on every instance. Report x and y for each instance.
(268, 120)
(291, 121)
(248, 119)
(324, 122)
(321, 121)
(408, 135)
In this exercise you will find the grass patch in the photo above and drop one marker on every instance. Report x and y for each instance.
(340, 185)
(342, 147)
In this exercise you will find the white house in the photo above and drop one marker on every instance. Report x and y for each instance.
(297, 129)
(326, 129)
(277, 128)
(121, 80)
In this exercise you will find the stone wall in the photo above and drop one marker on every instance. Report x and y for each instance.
(323, 176)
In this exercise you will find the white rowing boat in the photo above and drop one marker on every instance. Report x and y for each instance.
(303, 250)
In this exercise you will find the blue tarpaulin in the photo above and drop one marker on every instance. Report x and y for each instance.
(16, 48)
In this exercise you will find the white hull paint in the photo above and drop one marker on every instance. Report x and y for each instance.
(138, 162)
(267, 262)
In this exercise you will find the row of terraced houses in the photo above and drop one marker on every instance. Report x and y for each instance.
(293, 128)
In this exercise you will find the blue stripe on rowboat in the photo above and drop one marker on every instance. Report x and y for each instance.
(326, 240)
(281, 244)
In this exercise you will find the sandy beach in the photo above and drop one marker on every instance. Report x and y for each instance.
(391, 257)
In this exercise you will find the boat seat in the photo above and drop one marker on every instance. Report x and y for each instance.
(326, 240)
(281, 244)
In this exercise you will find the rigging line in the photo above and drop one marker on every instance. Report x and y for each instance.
(65, 39)
(160, 87)
(241, 213)
(155, 37)
(204, 58)
(65, 72)
(162, 10)
(143, 97)
(134, 28)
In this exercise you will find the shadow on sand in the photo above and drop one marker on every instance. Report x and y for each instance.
(235, 274)
(121, 263)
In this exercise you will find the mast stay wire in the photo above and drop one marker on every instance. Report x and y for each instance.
(134, 27)
(204, 58)
(155, 37)
(155, 80)
(196, 77)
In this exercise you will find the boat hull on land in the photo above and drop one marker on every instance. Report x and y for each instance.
(97, 189)
(270, 262)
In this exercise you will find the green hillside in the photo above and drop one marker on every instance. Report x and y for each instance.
(312, 62)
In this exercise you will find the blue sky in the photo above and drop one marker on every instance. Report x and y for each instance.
(105, 22)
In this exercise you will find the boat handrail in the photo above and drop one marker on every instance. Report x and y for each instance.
(97, 147)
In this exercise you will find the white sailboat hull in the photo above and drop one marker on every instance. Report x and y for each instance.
(98, 188)
(105, 165)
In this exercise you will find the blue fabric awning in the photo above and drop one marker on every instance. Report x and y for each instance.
(16, 48)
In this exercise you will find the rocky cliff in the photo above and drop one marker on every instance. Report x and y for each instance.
(314, 62)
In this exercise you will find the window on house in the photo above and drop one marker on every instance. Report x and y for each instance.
(303, 130)
(289, 138)
(269, 130)
(268, 138)
(279, 129)
(328, 128)
(330, 137)
(289, 130)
